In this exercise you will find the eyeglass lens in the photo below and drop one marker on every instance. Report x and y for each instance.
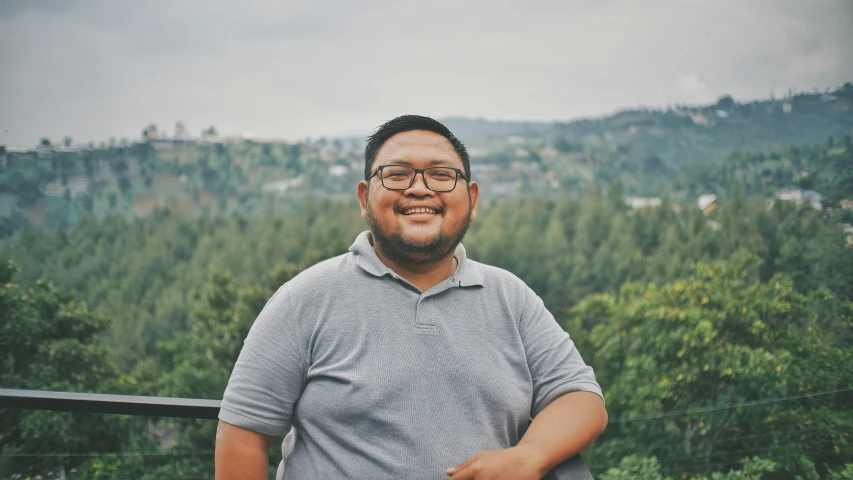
(399, 177)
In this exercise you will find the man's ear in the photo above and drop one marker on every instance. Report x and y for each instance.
(474, 194)
(361, 193)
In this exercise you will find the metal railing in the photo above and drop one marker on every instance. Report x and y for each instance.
(574, 467)
(111, 404)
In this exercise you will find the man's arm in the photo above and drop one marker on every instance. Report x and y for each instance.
(241, 454)
(565, 427)
(561, 430)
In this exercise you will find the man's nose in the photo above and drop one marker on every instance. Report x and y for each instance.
(418, 186)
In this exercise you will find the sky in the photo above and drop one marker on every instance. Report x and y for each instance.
(97, 69)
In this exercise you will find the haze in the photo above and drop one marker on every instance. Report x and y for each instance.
(100, 69)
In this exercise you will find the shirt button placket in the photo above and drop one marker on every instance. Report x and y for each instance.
(421, 314)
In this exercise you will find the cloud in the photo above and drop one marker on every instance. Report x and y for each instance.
(103, 68)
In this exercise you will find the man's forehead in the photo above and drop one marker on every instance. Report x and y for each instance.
(417, 145)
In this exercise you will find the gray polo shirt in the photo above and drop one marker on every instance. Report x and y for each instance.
(381, 380)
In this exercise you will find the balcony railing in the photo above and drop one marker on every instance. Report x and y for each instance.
(113, 404)
(173, 407)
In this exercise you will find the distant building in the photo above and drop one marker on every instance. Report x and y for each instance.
(700, 119)
(166, 144)
(338, 170)
(642, 202)
(520, 166)
(209, 136)
(707, 203)
(76, 185)
(149, 132)
(846, 204)
(282, 186)
(504, 188)
(799, 196)
(548, 152)
(484, 168)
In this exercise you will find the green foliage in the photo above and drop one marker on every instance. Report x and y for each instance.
(147, 459)
(826, 168)
(844, 473)
(634, 466)
(700, 371)
(142, 272)
(48, 342)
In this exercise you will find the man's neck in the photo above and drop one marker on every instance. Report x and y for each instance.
(423, 276)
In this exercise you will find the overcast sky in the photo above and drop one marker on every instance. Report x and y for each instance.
(96, 69)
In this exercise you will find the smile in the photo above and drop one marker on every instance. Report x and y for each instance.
(411, 211)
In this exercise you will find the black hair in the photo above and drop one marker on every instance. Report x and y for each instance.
(405, 123)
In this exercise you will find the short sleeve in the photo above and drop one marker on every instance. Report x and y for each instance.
(270, 372)
(555, 364)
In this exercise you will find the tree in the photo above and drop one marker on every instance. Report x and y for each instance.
(48, 340)
(564, 146)
(726, 102)
(149, 132)
(702, 370)
(180, 130)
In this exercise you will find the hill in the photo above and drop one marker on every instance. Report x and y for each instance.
(650, 152)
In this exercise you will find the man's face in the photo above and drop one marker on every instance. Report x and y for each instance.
(414, 235)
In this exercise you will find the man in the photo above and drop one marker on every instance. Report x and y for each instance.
(403, 358)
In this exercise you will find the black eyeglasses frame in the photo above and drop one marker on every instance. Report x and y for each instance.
(459, 173)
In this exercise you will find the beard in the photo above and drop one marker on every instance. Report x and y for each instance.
(398, 248)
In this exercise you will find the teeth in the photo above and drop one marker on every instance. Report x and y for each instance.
(418, 210)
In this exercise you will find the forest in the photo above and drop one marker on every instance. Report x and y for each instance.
(722, 337)
(716, 338)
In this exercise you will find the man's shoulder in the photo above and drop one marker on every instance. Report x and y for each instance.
(497, 277)
(503, 292)
(321, 276)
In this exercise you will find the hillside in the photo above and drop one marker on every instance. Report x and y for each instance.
(650, 152)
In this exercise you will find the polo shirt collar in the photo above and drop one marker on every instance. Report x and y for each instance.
(468, 272)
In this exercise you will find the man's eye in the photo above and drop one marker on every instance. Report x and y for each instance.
(397, 174)
(441, 175)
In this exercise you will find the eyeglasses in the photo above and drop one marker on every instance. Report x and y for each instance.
(401, 177)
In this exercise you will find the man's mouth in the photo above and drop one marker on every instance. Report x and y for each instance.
(412, 211)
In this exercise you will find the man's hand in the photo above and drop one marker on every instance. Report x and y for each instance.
(562, 429)
(515, 463)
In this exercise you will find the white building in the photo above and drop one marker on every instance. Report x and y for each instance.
(706, 201)
(76, 185)
(642, 202)
(799, 196)
(282, 186)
